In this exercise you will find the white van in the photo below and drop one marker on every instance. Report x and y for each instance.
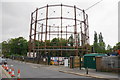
(3, 61)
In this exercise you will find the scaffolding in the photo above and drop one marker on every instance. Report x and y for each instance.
(68, 24)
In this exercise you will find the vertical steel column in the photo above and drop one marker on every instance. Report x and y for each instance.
(84, 27)
(81, 40)
(87, 32)
(38, 52)
(75, 32)
(58, 32)
(87, 28)
(81, 34)
(38, 37)
(61, 29)
(49, 31)
(66, 39)
(41, 32)
(49, 40)
(86, 37)
(46, 26)
(41, 41)
(30, 42)
(35, 33)
(66, 32)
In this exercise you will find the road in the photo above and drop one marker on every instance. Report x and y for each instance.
(32, 71)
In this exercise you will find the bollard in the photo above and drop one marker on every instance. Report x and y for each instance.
(18, 79)
(87, 70)
(7, 68)
(18, 73)
(12, 74)
(18, 76)
(10, 71)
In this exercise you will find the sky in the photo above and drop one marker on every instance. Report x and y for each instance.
(15, 17)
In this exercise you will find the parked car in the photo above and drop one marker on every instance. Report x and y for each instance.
(3, 60)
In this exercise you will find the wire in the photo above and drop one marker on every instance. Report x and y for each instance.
(93, 5)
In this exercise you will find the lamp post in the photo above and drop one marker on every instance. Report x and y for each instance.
(80, 60)
(18, 46)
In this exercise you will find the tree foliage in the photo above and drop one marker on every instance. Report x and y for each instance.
(109, 49)
(95, 37)
(99, 44)
(117, 46)
(70, 40)
(16, 46)
(5, 48)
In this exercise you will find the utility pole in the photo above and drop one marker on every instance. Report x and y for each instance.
(93, 5)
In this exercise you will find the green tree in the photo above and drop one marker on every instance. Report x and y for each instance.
(71, 40)
(55, 42)
(63, 42)
(117, 46)
(99, 44)
(95, 37)
(58, 42)
(100, 37)
(5, 48)
(95, 44)
(18, 46)
(109, 49)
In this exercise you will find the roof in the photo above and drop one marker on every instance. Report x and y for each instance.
(95, 54)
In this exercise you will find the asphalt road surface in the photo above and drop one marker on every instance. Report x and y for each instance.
(31, 71)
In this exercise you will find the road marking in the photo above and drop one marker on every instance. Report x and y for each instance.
(34, 67)
(11, 65)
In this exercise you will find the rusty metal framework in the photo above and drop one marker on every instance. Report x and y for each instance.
(58, 21)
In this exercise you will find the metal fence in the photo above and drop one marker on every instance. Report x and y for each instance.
(42, 60)
(110, 62)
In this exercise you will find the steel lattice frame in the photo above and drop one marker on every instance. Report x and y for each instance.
(63, 24)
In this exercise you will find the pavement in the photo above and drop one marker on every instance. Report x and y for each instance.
(30, 70)
(92, 73)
